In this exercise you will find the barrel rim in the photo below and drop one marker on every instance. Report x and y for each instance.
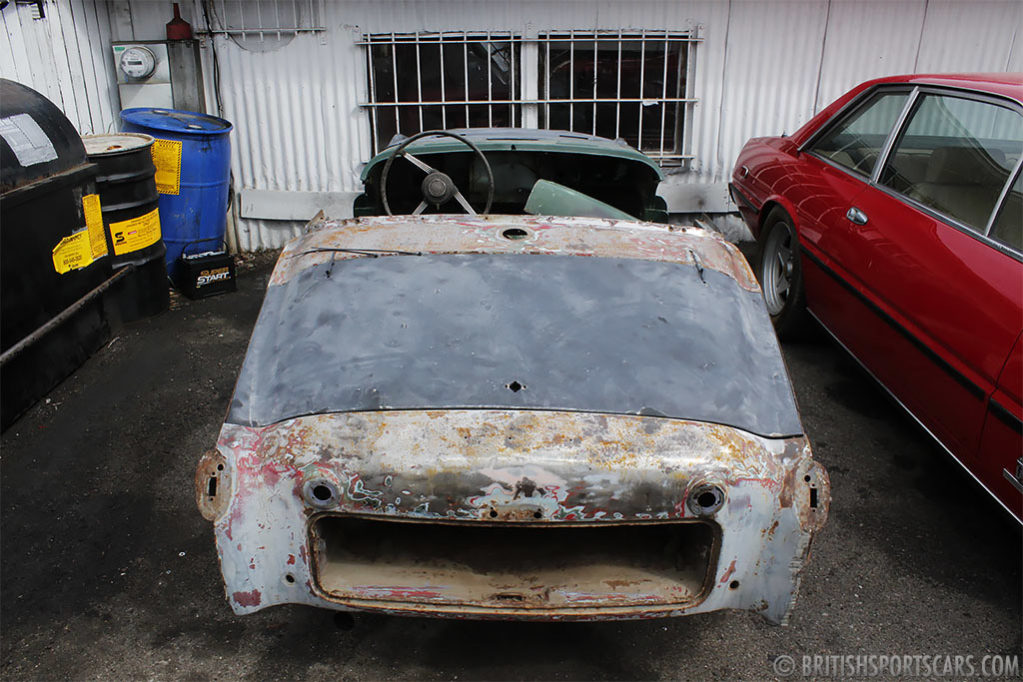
(141, 142)
(135, 117)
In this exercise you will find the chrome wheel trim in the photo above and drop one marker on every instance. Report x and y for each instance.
(776, 269)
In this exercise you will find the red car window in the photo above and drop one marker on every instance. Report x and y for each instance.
(856, 141)
(955, 155)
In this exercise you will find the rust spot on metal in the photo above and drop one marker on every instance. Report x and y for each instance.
(499, 472)
(728, 573)
(212, 485)
(250, 598)
(565, 236)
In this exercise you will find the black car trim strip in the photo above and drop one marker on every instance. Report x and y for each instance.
(974, 390)
(920, 423)
(1006, 417)
(736, 192)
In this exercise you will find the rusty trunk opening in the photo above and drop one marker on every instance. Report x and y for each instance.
(535, 567)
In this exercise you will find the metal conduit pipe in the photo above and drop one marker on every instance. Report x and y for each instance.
(42, 331)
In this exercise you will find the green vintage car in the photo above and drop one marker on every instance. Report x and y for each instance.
(511, 171)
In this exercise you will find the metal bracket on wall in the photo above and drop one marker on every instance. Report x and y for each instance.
(37, 7)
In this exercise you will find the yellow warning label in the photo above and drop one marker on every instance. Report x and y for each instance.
(72, 252)
(167, 159)
(137, 233)
(94, 221)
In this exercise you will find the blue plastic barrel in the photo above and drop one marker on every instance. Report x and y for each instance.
(193, 161)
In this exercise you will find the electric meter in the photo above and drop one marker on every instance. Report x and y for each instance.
(137, 62)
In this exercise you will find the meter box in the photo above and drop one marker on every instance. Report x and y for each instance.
(143, 75)
(161, 74)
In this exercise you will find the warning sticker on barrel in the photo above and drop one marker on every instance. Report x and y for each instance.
(167, 159)
(137, 233)
(94, 221)
(72, 252)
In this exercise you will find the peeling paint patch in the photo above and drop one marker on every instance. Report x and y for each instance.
(250, 598)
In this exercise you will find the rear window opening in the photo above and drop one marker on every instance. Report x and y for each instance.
(526, 566)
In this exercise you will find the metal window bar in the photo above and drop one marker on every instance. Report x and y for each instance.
(571, 81)
(546, 76)
(664, 94)
(443, 89)
(419, 84)
(465, 80)
(595, 71)
(372, 96)
(490, 81)
(394, 75)
(516, 100)
(618, 92)
(512, 84)
(231, 19)
(642, 89)
(458, 37)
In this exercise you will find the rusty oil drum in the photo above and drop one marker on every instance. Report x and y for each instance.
(127, 190)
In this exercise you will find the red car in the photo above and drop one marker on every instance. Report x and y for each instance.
(895, 219)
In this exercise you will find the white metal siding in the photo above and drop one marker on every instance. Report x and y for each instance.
(66, 57)
(763, 67)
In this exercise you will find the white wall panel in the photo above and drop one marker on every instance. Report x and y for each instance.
(867, 39)
(772, 61)
(968, 36)
(64, 55)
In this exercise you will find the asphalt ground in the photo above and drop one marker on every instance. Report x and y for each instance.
(107, 571)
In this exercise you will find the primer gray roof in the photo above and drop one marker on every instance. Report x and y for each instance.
(607, 335)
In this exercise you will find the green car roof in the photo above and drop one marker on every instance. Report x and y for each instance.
(524, 140)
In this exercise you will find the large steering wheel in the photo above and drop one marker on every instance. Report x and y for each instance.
(437, 187)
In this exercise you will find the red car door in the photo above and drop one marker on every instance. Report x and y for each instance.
(931, 307)
(825, 181)
(1000, 461)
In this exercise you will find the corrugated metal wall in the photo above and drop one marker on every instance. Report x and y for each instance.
(65, 55)
(763, 67)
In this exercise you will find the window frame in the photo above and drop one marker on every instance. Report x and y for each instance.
(896, 134)
(851, 108)
(1002, 198)
(531, 98)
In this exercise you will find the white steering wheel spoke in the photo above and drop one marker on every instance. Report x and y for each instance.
(465, 204)
(418, 163)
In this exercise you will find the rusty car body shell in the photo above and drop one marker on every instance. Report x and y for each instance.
(514, 486)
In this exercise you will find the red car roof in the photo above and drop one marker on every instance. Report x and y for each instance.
(1008, 85)
(1004, 84)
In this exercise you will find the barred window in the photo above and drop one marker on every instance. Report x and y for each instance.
(617, 85)
(260, 25)
(631, 85)
(436, 81)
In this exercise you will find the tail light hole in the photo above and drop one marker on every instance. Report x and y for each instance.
(706, 499)
(321, 493)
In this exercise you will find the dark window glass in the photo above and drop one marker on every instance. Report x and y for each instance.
(1008, 226)
(955, 156)
(616, 86)
(856, 141)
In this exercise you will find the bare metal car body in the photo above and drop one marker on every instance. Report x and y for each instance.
(513, 417)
